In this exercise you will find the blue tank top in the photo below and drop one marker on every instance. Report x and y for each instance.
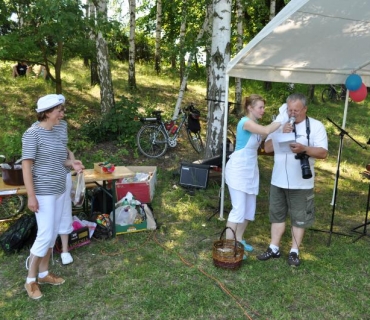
(242, 136)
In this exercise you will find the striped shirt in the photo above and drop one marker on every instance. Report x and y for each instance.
(62, 130)
(48, 153)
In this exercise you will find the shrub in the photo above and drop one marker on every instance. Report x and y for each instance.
(117, 125)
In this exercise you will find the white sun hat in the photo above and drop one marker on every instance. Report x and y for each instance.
(49, 101)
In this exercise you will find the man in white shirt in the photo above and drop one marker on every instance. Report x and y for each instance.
(292, 182)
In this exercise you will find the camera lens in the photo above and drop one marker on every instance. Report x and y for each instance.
(306, 170)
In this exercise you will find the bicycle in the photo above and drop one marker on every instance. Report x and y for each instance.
(10, 204)
(333, 93)
(154, 138)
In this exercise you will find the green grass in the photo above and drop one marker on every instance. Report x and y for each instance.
(169, 274)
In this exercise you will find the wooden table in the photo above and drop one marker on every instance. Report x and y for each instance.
(91, 177)
(6, 189)
(120, 172)
(102, 180)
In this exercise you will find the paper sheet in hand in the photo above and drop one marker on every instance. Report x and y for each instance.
(281, 142)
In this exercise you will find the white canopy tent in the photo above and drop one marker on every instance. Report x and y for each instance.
(309, 42)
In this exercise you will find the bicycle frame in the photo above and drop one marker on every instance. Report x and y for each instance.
(160, 122)
(156, 135)
(333, 92)
(339, 93)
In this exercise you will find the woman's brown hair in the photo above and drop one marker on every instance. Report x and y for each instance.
(41, 116)
(251, 101)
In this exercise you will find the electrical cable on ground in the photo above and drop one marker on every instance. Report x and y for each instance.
(152, 236)
(222, 286)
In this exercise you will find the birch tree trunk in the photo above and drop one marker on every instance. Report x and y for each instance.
(208, 47)
(220, 57)
(105, 76)
(158, 31)
(94, 76)
(272, 9)
(182, 40)
(131, 53)
(239, 46)
(268, 84)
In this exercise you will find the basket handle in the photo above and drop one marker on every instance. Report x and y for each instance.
(236, 242)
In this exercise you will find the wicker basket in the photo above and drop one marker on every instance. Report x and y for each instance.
(227, 253)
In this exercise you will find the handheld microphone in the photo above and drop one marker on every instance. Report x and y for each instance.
(291, 120)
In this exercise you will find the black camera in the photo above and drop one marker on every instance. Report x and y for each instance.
(305, 165)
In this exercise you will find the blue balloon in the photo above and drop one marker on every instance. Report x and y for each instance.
(353, 82)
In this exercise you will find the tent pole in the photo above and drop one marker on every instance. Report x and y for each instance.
(343, 127)
(224, 138)
(345, 110)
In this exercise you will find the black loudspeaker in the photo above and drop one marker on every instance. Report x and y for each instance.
(194, 175)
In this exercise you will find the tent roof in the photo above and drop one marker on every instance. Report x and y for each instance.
(310, 41)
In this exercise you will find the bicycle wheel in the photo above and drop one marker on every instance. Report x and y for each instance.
(195, 140)
(151, 141)
(327, 95)
(12, 205)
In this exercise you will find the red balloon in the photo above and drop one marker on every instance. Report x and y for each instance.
(360, 94)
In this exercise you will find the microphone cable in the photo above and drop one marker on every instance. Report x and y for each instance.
(290, 202)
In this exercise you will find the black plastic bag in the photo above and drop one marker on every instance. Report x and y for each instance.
(21, 233)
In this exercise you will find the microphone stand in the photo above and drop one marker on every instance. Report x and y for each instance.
(342, 133)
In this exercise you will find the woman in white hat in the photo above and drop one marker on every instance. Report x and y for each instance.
(65, 227)
(44, 162)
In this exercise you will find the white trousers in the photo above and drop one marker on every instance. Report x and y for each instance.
(48, 222)
(243, 206)
(66, 219)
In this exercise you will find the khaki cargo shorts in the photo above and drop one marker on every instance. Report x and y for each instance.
(297, 203)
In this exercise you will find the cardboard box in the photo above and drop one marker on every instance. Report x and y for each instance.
(141, 190)
(77, 238)
(131, 228)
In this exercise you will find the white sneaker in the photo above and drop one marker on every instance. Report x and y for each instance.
(66, 258)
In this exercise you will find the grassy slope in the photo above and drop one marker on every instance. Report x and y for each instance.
(169, 274)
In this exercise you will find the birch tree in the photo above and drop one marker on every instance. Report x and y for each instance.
(131, 54)
(94, 76)
(182, 39)
(105, 76)
(220, 56)
(268, 84)
(158, 32)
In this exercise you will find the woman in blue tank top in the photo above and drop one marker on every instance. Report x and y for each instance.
(241, 173)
